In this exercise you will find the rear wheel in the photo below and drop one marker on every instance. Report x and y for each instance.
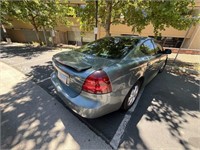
(132, 96)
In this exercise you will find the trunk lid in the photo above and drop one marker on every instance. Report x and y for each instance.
(78, 66)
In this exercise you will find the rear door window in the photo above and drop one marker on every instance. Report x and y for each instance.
(110, 47)
(158, 48)
(148, 48)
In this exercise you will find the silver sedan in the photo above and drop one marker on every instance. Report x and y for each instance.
(106, 75)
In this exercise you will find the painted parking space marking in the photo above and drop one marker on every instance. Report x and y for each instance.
(43, 80)
(121, 129)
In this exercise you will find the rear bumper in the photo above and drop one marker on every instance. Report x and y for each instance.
(85, 104)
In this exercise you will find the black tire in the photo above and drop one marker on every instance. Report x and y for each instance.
(163, 67)
(127, 104)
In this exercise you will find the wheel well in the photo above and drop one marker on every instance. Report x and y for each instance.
(141, 79)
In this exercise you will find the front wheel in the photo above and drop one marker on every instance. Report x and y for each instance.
(132, 96)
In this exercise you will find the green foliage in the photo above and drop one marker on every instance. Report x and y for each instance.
(87, 13)
(39, 13)
(115, 11)
(165, 13)
(135, 13)
(4, 6)
(139, 13)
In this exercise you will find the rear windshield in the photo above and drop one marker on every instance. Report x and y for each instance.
(110, 47)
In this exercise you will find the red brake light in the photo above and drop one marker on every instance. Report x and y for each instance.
(97, 83)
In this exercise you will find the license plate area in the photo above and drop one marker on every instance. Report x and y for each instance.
(63, 77)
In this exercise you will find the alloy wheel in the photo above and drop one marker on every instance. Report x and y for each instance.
(133, 95)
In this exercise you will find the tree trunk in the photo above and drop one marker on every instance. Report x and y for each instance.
(5, 35)
(36, 31)
(108, 17)
(45, 37)
(38, 36)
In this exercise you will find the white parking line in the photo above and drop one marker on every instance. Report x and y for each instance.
(120, 131)
(51, 87)
(43, 80)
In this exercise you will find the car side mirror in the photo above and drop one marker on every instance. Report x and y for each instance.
(167, 51)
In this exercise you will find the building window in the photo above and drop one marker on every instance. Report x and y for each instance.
(169, 41)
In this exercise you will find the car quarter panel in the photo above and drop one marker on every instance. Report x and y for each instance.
(124, 75)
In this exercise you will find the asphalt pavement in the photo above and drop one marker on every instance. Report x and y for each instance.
(33, 119)
(166, 117)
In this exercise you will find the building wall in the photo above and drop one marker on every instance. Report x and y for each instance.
(148, 31)
(16, 35)
(194, 41)
(23, 32)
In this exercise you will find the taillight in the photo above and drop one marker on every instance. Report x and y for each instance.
(97, 83)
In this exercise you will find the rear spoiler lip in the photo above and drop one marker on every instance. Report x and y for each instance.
(79, 68)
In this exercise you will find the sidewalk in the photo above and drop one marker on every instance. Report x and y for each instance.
(185, 64)
(32, 119)
(186, 58)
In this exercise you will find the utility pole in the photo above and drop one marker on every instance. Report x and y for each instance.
(96, 20)
(186, 34)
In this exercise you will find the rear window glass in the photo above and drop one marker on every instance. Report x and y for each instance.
(110, 47)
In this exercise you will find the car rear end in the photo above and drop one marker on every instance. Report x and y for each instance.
(84, 89)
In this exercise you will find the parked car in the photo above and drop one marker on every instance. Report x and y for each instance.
(106, 75)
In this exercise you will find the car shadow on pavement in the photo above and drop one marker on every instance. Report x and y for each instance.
(167, 100)
(31, 119)
(26, 51)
